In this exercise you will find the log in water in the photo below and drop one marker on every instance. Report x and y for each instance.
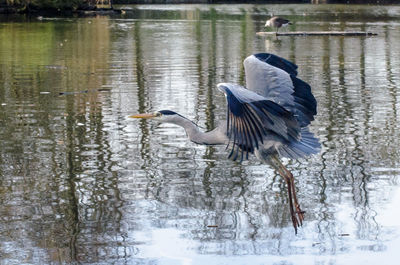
(318, 33)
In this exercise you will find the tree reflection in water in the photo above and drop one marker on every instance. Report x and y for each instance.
(81, 183)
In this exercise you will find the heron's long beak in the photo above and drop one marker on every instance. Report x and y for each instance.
(143, 116)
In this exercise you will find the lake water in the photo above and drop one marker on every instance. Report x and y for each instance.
(82, 183)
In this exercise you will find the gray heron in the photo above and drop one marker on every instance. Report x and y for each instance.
(277, 22)
(269, 118)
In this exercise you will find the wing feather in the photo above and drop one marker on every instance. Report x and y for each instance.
(251, 117)
(275, 78)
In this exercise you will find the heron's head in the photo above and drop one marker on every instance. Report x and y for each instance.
(161, 116)
(268, 23)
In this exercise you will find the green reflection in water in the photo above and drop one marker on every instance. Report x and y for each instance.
(80, 183)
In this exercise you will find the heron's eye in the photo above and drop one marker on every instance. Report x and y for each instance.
(158, 114)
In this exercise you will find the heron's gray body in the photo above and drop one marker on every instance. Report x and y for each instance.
(271, 79)
(270, 117)
(219, 136)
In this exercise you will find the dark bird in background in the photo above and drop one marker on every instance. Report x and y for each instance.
(269, 118)
(277, 22)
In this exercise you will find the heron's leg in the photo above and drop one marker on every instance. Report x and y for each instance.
(292, 212)
(288, 176)
(299, 212)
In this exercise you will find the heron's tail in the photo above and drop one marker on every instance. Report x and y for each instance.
(307, 145)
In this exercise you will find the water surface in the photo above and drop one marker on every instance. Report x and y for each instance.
(82, 183)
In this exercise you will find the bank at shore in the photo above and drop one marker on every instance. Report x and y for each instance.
(90, 7)
(39, 7)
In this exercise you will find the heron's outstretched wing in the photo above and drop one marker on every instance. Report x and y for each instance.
(251, 117)
(275, 78)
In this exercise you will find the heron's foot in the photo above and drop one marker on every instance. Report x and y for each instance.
(297, 217)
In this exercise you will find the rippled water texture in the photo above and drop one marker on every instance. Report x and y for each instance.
(82, 183)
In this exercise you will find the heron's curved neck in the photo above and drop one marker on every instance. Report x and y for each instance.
(214, 137)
